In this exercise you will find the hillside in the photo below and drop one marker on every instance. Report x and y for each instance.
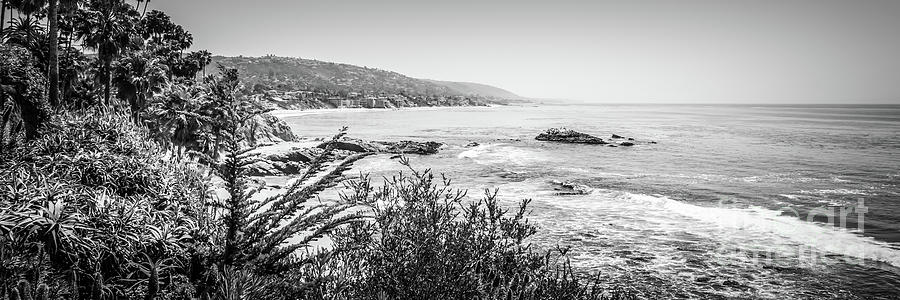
(295, 74)
(471, 88)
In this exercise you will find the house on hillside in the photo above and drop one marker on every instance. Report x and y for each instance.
(344, 103)
(375, 102)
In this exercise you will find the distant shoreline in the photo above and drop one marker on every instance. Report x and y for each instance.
(284, 113)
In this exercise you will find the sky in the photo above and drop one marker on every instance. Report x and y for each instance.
(623, 51)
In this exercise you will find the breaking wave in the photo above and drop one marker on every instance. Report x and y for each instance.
(788, 230)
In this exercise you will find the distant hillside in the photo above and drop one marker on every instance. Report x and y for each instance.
(293, 74)
(471, 88)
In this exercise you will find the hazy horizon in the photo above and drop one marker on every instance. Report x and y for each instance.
(697, 51)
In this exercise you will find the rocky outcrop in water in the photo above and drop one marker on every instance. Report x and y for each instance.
(563, 135)
(569, 188)
(411, 147)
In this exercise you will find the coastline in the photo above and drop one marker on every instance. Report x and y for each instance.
(285, 113)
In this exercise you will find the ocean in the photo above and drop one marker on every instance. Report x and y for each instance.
(752, 201)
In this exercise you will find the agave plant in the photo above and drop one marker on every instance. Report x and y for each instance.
(150, 272)
(59, 229)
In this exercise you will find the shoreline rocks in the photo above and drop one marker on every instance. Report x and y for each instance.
(269, 128)
(285, 158)
(291, 158)
(401, 147)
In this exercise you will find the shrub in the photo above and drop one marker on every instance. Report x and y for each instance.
(91, 207)
(23, 97)
(427, 241)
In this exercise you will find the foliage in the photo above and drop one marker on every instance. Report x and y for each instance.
(427, 241)
(29, 34)
(139, 75)
(261, 237)
(89, 201)
(23, 102)
(95, 210)
(107, 27)
(194, 119)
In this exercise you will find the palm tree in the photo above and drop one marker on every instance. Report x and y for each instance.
(53, 55)
(27, 7)
(197, 61)
(205, 60)
(27, 33)
(54, 52)
(146, 2)
(2, 18)
(139, 75)
(107, 28)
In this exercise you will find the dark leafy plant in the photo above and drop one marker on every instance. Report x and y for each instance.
(22, 95)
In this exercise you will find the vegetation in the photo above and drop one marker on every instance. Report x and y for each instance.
(123, 176)
(426, 240)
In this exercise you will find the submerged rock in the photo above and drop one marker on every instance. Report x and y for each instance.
(473, 144)
(626, 144)
(616, 136)
(563, 135)
(569, 188)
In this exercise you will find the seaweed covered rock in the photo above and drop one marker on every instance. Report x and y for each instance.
(563, 135)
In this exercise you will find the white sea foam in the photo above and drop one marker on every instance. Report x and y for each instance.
(772, 223)
(502, 154)
(789, 196)
(835, 192)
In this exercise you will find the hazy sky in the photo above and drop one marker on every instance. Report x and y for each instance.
(761, 51)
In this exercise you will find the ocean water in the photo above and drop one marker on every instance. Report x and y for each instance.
(765, 202)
